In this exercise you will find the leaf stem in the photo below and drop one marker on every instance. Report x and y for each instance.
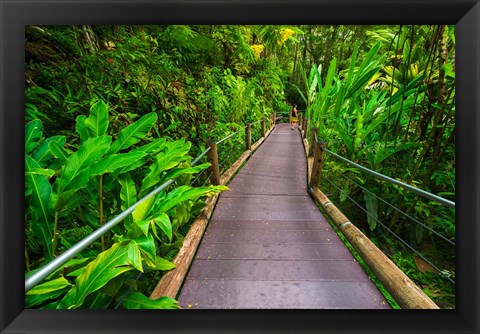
(101, 209)
(54, 237)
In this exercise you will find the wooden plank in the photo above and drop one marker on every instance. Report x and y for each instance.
(170, 283)
(255, 256)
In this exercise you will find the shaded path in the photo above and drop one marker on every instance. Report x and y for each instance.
(268, 246)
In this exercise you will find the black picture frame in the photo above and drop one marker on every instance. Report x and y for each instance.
(16, 14)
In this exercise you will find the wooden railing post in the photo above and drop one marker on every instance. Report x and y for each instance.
(248, 136)
(213, 157)
(305, 127)
(300, 121)
(263, 127)
(312, 141)
(318, 154)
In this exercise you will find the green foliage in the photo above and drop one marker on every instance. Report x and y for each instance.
(72, 194)
(382, 96)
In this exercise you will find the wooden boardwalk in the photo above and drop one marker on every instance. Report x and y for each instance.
(268, 246)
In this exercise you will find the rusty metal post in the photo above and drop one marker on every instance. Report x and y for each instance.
(318, 154)
(213, 157)
(248, 137)
(312, 141)
(263, 127)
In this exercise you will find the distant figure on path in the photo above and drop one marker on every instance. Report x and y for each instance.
(294, 116)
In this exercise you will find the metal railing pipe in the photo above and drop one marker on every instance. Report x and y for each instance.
(197, 159)
(417, 191)
(53, 265)
(222, 140)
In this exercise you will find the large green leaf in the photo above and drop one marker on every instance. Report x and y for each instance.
(41, 171)
(46, 291)
(184, 193)
(147, 247)
(97, 123)
(88, 153)
(58, 151)
(133, 133)
(33, 134)
(136, 301)
(41, 223)
(59, 202)
(81, 128)
(152, 148)
(42, 153)
(128, 192)
(174, 173)
(47, 287)
(162, 264)
(383, 153)
(173, 154)
(143, 209)
(163, 222)
(372, 209)
(329, 79)
(106, 266)
(105, 165)
(135, 256)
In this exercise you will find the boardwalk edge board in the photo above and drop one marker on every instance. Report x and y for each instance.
(170, 283)
(405, 292)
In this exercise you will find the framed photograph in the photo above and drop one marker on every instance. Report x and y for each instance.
(20, 19)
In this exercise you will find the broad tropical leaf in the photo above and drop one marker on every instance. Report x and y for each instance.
(41, 171)
(106, 165)
(162, 264)
(46, 291)
(97, 123)
(133, 133)
(147, 247)
(181, 171)
(89, 152)
(372, 209)
(58, 151)
(184, 193)
(173, 154)
(134, 256)
(107, 265)
(128, 192)
(41, 222)
(136, 301)
(42, 153)
(33, 134)
(142, 210)
(163, 222)
(81, 128)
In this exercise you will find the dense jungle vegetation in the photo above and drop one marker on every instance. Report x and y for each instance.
(112, 112)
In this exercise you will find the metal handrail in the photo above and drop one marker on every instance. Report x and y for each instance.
(222, 140)
(417, 191)
(53, 265)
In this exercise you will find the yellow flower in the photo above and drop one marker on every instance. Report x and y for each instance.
(257, 50)
(286, 34)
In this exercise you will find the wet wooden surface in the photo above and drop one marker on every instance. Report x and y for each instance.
(268, 246)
